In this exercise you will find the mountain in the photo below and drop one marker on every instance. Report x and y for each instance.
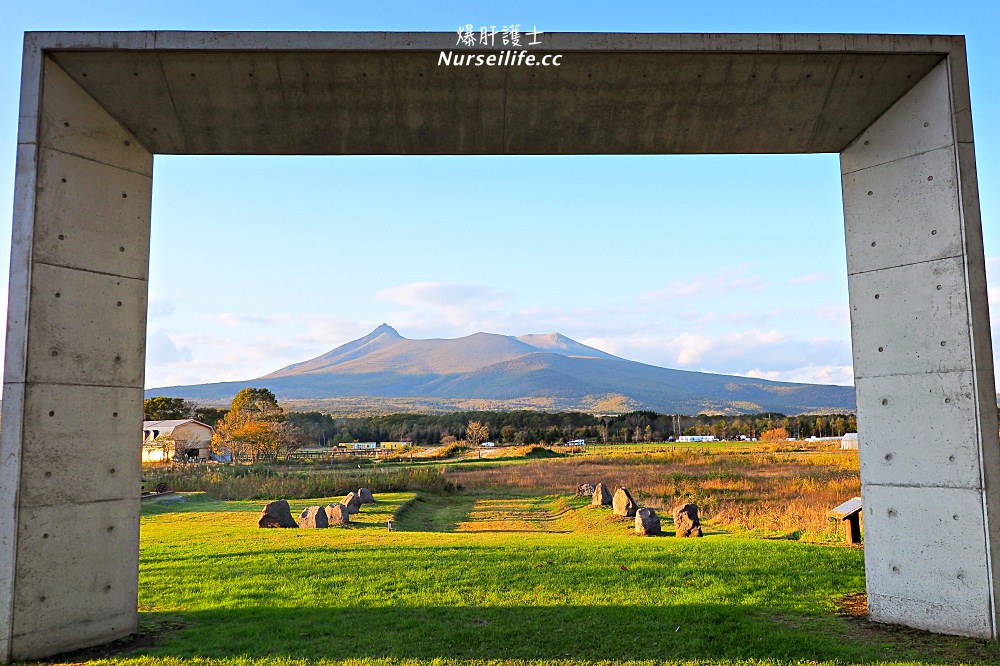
(550, 370)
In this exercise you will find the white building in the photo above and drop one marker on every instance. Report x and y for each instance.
(849, 442)
(176, 439)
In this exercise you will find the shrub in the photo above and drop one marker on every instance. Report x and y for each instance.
(264, 482)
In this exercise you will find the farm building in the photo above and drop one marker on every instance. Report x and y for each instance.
(849, 442)
(178, 439)
(374, 446)
(361, 446)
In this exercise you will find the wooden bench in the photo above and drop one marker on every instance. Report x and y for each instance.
(850, 514)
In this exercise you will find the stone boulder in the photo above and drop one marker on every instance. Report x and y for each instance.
(276, 514)
(352, 502)
(601, 495)
(686, 522)
(647, 523)
(366, 496)
(585, 490)
(313, 516)
(623, 504)
(337, 514)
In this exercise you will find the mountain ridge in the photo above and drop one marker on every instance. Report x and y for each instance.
(546, 367)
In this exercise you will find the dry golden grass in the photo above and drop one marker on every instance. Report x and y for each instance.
(752, 488)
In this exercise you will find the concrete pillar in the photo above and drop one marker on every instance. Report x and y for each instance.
(73, 378)
(923, 366)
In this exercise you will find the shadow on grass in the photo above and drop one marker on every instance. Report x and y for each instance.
(432, 513)
(579, 633)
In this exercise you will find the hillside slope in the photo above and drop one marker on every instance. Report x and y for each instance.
(486, 366)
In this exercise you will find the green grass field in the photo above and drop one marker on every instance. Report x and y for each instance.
(493, 579)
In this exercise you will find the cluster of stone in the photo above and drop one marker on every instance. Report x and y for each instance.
(276, 514)
(623, 504)
(601, 495)
(647, 522)
(686, 522)
(279, 514)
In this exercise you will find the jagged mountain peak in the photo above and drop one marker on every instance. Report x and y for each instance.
(382, 329)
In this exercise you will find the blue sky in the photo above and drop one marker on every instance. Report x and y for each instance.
(729, 264)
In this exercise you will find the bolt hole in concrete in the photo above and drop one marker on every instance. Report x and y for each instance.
(888, 456)
(884, 401)
(880, 349)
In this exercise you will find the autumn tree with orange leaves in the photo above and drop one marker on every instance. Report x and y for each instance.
(255, 428)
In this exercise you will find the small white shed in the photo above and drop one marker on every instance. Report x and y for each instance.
(849, 442)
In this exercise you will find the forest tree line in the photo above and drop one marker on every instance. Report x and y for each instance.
(532, 427)
(523, 427)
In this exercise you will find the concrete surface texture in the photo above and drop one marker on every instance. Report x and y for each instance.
(95, 107)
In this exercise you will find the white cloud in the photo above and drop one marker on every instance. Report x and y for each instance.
(162, 350)
(827, 374)
(204, 356)
(808, 278)
(159, 307)
(769, 354)
(732, 278)
(237, 319)
(444, 296)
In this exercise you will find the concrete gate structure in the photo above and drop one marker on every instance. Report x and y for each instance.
(96, 107)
